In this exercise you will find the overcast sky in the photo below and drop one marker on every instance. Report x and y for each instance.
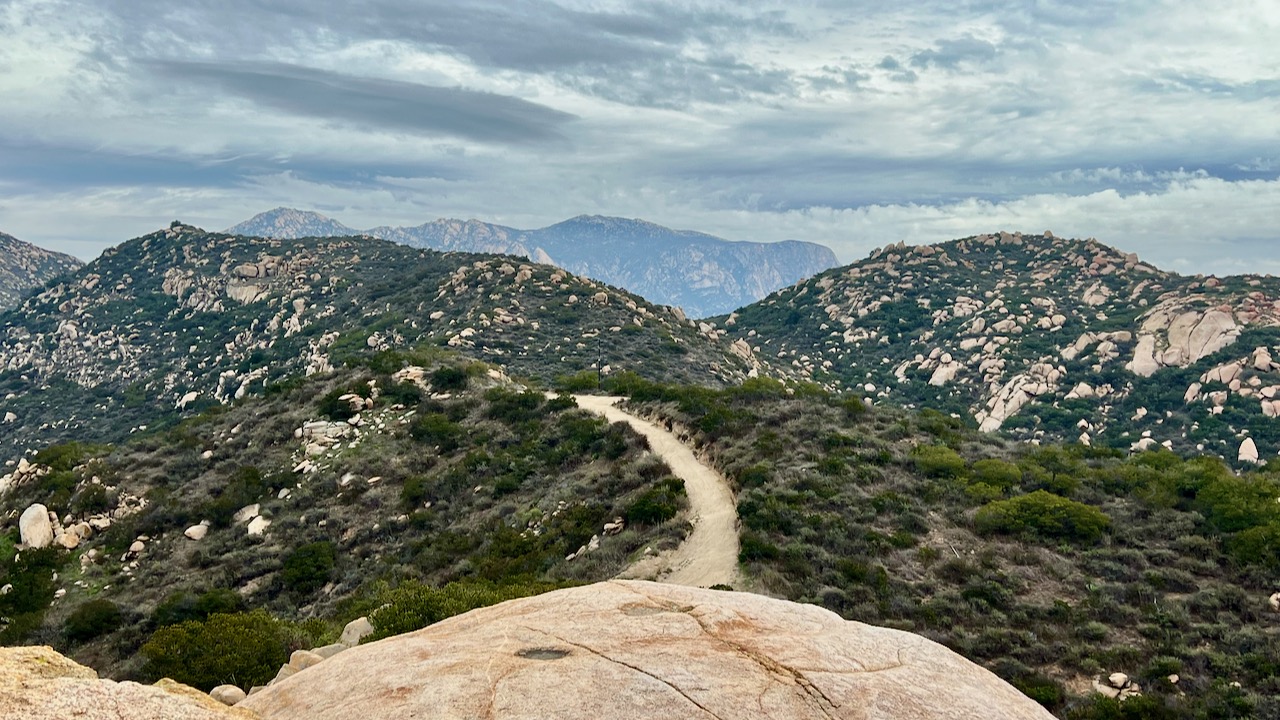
(1153, 126)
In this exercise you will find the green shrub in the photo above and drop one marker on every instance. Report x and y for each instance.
(182, 606)
(657, 504)
(414, 605)
(938, 461)
(243, 649)
(309, 567)
(92, 619)
(437, 429)
(1044, 515)
(449, 378)
(585, 381)
(997, 473)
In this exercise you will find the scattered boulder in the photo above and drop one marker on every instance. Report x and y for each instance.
(1249, 451)
(355, 631)
(303, 659)
(228, 694)
(197, 532)
(644, 650)
(35, 528)
(1274, 601)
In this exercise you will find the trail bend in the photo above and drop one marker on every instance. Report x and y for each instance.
(709, 555)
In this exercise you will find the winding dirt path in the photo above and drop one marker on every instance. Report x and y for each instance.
(709, 556)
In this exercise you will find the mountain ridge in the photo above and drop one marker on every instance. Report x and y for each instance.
(699, 272)
(1038, 334)
(183, 318)
(24, 267)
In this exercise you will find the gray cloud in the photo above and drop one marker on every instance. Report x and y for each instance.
(853, 122)
(377, 103)
(951, 53)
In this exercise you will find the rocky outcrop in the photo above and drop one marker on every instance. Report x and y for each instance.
(37, 683)
(642, 650)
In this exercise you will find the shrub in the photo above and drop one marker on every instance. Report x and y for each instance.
(309, 567)
(92, 619)
(438, 429)
(938, 461)
(182, 606)
(1045, 515)
(997, 473)
(449, 378)
(414, 605)
(658, 504)
(243, 649)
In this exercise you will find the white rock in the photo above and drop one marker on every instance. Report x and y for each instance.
(196, 532)
(137, 547)
(1118, 680)
(355, 631)
(245, 513)
(34, 527)
(1249, 451)
(227, 694)
(258, 525)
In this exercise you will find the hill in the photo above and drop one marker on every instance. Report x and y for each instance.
(700, 273)
(290, 224)
(318, 500)
(24, 267)
(1039, 336)
(181, 319)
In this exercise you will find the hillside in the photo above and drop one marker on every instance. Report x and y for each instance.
(181, 319)
(320, 499)
(24, 267)
(702, 274)
(1053, 566)
(1040, 336)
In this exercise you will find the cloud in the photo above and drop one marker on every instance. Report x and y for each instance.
(377, 103)
(951, 53)
(849, 122)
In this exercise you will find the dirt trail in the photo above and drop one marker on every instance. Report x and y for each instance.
(709, 556)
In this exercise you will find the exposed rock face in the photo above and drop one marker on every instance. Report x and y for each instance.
(704, 274)
(36, 683)
(34, 526)
(24, 267)
(628, 649)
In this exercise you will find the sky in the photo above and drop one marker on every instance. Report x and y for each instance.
(1153, 126)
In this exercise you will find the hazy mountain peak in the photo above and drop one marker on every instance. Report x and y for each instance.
(700, 273)
(288, 223)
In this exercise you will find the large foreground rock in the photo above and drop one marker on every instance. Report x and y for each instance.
(629, 649)
(36, 683)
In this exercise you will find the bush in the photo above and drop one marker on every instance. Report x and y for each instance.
(997, 473)
(658, 504)
(449, 378)
(414, 605)
(938, 461)
(1044, 515)
(243, 649)
(92, 619)
(309, 567)
(183, 606)
(437, 429)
